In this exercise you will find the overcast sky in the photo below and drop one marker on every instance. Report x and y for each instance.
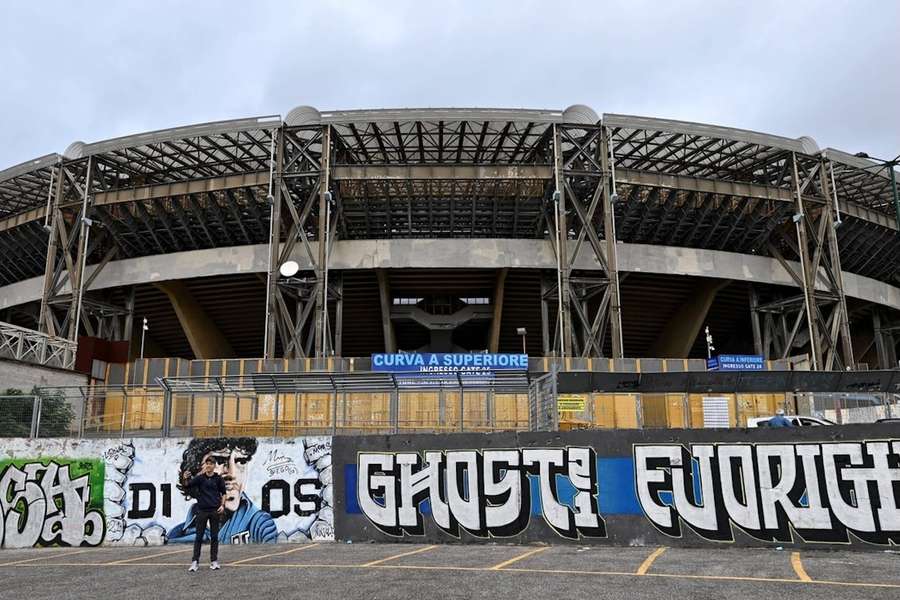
(94, 70)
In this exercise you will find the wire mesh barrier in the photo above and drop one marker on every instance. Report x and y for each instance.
(36, 416)
(854, 407)
(310, 403)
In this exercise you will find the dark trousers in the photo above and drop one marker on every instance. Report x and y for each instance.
(200, 520)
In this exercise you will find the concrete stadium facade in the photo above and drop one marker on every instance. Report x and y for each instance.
(452, 230)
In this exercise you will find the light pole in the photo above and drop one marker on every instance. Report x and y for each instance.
(521, 331)
(144, 329)
(709, 343)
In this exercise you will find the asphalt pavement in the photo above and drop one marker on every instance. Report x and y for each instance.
(393, 571)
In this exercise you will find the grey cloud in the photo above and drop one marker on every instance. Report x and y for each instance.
(96, 70)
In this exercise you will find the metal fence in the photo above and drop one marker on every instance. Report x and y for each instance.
(37, 416)
(853, 407)
(308, 404)
(27, 345)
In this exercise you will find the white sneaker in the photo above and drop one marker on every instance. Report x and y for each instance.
(193, 568)
(214, 565)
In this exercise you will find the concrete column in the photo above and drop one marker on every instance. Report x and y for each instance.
(562, 235)
(499, 288)
(679, 334)
(384, 293)
(808, 276)
(274, 200)
(545, 318)
(204, 336)
(834, 250)
(758, 346)
(321, 342)
(609, 230)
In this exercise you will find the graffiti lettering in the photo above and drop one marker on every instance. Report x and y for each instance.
(306, 492)
(486, 493)
(823, 492)
(143, 505)
(43, 505)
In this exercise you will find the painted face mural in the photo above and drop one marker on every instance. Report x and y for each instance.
(131, 492)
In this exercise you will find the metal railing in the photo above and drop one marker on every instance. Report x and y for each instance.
(291, 404)
(30, 346)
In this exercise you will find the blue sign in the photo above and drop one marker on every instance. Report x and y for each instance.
(446, 363)
(736, 362)
(439, 369)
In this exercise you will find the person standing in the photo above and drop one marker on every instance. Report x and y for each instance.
(779, 420)
(209, 489)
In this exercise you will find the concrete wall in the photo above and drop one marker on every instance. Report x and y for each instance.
(810, 487)
(128, 491)
(24, 376)
(651, 487)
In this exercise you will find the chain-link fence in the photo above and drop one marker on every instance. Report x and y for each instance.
(844, 408)
(36, 416)
(153, 411)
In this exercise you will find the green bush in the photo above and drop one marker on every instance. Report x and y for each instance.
(16, 414)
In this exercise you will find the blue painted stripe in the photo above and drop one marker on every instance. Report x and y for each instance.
(615, 493)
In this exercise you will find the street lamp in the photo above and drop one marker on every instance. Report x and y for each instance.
(289, 269)
(144, 329)
(709, 343)
(521, 331)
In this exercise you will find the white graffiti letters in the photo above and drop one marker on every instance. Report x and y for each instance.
(485, 493)
(44, 505)
(822, 491)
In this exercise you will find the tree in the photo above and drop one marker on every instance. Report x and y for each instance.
(16, 412)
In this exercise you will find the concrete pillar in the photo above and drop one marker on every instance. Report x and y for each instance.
(204, 336)
(499, 288)
(678, 337)
(384, 294)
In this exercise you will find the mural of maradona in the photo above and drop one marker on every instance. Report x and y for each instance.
(243, 521)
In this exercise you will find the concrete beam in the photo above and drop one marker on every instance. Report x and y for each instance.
(742, 190)
(204, 336)
(698, 184)
(183, 188)
(677, 337)
(452, 254)
(407, 172)
(466, 172)
(441, 322)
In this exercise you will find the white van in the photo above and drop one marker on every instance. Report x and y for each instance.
(796, 421)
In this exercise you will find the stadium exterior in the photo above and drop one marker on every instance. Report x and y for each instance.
(441, 230)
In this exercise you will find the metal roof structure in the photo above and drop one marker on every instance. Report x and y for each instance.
(445, 173)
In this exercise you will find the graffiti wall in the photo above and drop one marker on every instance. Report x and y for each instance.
(807, 487)
(718, 487)
(133, 492)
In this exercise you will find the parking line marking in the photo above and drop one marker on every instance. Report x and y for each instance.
(297, 549)
(383, 560)
(137, 558)
(798, 567)
(516, 559)
(813, 582)
(50, 555)
(645, 566)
